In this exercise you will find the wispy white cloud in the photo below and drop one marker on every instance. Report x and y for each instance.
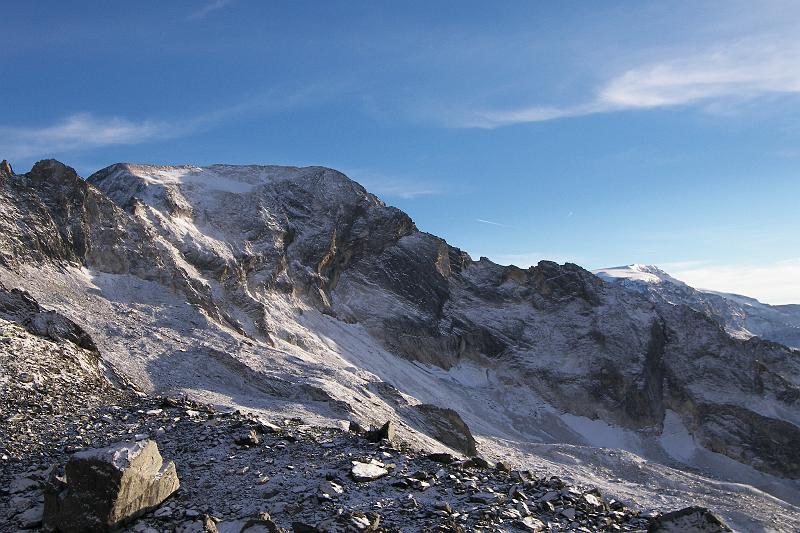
(498, 118)
(740, 70)
(85, 131)
(774, 283)
(731, 72)
(490, 222)
(79, 131)
(208, 8)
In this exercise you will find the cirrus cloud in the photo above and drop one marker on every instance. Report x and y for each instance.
(77, 132)
(733, 71)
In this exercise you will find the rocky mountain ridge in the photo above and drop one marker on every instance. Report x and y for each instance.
(739, 315)
(295, 291)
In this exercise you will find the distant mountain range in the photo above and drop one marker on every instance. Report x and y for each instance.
(741, 316)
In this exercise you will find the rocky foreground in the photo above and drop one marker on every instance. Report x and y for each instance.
(238, 472)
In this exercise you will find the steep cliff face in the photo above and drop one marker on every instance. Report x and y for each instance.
(302, 271)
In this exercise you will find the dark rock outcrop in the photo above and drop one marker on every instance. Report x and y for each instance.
(18, 306)
(385, 432)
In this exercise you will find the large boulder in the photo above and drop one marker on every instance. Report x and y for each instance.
(688, 520)
(446, 426)
(385, 432)
(107, 486)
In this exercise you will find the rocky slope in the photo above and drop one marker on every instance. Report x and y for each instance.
(294, 292)
(58, 399)
(742, 317)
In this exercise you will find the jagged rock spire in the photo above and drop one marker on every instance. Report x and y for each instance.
(5, 169)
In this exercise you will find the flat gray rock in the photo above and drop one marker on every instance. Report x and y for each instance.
(367, 471)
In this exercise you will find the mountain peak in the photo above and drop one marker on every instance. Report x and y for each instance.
(52, 169)
(651, 269)
(637, 271)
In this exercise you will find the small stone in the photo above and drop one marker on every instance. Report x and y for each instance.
(569, 513)
(477, 462)
(209, 524)
(262, 524)
(22, 484)
(421, 485)
(265, 426)
(360, 522)
(523, 509)
(331, 489)
(483, 497)
(367, 471)
(249, 438)
(441, 457)
(32, 518)
(548, 497)
(532, 524)
(163, 512)
(592, 500)
(20, 503)
(302, 527)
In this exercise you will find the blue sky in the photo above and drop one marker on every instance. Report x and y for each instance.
(594, 132)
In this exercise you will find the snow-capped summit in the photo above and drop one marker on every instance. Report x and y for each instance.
(636, 271)
(741, 316)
